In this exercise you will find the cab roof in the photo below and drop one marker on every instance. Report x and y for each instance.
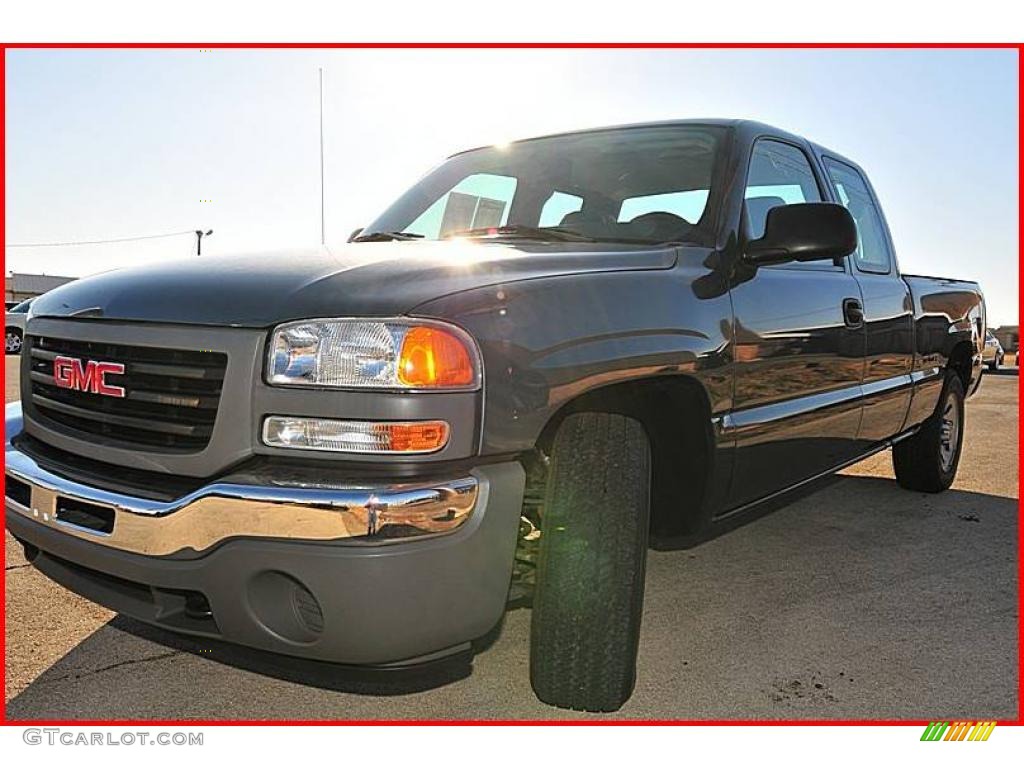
(745, 130)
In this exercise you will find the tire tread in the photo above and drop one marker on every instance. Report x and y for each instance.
(587, 607)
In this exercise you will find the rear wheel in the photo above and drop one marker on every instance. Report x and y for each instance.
(12, 342)
(585, 626)
(928, 460)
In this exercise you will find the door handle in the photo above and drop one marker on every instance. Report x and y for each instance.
(853, 313)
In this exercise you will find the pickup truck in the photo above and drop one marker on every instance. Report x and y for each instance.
(615, 338)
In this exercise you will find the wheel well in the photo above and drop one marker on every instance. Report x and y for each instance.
(960, 360)
(676, 415)
(14, 328)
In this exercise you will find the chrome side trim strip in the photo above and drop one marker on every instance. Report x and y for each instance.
(223, 510)
(932, 372)
(758, 415)
(887, 385)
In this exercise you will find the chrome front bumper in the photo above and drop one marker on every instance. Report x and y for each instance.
(267, 507)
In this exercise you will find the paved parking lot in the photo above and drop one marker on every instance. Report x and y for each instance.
(859, 600)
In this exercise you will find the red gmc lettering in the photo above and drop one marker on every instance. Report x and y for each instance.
(70, 373)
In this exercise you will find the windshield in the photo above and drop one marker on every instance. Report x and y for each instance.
(20, 308)
(642, 185)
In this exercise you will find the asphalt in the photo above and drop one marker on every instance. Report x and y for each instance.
(858, 600)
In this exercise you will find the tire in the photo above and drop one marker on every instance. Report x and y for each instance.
(12, 341)
(928, 460)
(994, 365)
(590, 573)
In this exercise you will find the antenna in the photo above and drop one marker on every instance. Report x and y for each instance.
(322, 232)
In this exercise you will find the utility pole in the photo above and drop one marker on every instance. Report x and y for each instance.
(199, 240)
(322, 230)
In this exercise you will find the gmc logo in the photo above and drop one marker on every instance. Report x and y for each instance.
(71, 373)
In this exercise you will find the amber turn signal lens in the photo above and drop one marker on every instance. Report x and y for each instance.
(433, 357)
(418, 437)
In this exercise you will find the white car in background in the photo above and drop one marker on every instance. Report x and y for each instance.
(14, 331)
(993, 354)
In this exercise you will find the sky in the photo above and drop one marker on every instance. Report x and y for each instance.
(108, 144)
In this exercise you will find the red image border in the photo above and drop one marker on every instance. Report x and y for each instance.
(1019, 47)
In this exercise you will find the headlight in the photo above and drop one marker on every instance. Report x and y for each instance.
(368, 354)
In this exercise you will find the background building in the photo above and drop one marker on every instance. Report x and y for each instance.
(1009, 337)
(19, 286)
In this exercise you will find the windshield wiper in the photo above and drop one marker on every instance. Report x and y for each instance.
(380, 237)
(523, 231)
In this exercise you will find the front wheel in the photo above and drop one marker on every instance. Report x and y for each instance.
(585, 626)
(12, 342)
(928, 460)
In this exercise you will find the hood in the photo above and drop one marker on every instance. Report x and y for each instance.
(357, 280)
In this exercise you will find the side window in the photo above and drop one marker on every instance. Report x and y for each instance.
(872, 254)
(557, 207)
(780, 174)
(480, 200)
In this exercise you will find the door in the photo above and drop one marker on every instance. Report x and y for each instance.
(888, 310)
(798, 346)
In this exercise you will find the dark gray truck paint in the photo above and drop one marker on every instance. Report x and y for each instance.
(787, 391)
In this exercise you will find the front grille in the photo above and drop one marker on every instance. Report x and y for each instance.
(146, 484)
(170, 402)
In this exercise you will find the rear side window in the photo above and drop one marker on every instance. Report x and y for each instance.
(872, 254)
(780, 174)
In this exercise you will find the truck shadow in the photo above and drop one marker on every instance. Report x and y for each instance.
(132, 643)
(356, 680)
(747, 516)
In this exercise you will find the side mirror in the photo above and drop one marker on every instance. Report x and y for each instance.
(804, 232)
(355, 234)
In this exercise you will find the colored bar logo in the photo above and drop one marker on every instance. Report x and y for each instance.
(963, 730)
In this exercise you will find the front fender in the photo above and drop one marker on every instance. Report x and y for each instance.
(546, 342)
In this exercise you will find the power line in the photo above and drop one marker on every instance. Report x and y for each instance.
(99, 242)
